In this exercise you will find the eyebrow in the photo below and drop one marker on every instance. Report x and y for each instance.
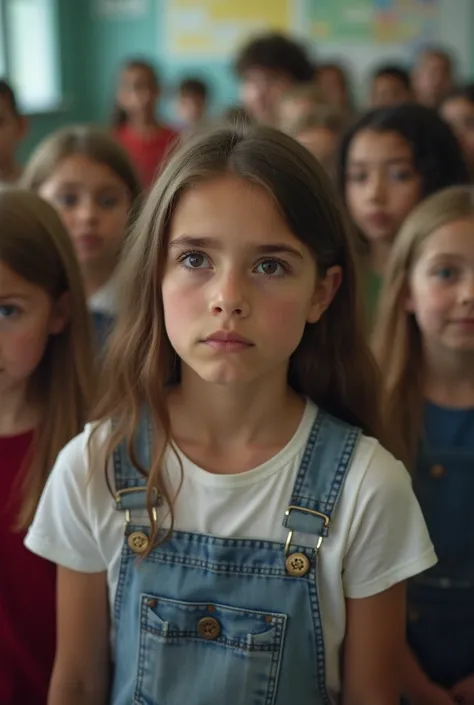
(393, 160)
(78, 184)
(13, 295)
(214, 243)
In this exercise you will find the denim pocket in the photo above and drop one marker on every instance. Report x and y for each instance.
(206, 653)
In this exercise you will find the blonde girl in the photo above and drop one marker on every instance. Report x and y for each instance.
(424, 341)
(272, 555)
(90, 181)
(46, 381)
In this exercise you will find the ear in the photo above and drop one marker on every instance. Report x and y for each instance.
(324, 293)
(60, 314)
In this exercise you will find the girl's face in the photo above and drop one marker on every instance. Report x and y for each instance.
(382, 185)
(459, 113)
(333, 87)
(441, 288)
(137, 93)
(239, 287)
(94, 205)
(28, 316)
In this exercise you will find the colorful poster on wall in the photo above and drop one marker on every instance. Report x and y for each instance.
(373, 21)
(218, 27)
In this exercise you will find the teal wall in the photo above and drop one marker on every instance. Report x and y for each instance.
(92, 49)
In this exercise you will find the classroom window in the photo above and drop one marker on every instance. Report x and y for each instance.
(29, 52)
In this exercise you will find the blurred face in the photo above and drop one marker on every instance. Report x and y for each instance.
(28, 316)
(459, 113)
(190, 109)
(239, 287)
(432, 79)
(389, 90)
(261, 92)
(137, 93)
(333, 87)
(322, 143)
(382, 185)
(94, 205)
(441, 288)
(12, 131)
(291, 110)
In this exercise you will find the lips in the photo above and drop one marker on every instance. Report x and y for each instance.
(379, 220)
(227, 341)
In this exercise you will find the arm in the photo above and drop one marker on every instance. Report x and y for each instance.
(82, 665)
(373, 649)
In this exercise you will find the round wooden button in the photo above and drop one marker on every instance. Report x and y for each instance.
(437, 471)
(209, 628)
(297, 564)
(138, 542)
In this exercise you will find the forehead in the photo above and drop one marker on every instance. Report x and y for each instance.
(372, 146)
(259, 74)
(13, 283)
(455, 238)
(82, 170)
(230, 209)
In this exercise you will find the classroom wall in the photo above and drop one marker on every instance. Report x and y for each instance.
(94, 46)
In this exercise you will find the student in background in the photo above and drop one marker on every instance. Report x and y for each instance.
(46, 381)
(191, 103)
(390, 160)
(90, 181)
(240, 335)
(424, 341)
(13, 128)
(268, 67)
(390, 85)
(296, 103)
(320, 131)
(333, 82)
(458, 111)
(432, 76)
(135, 123)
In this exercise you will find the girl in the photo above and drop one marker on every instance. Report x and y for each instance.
(425, 347)
(86, 176)
(226, 348)
(458, 111)
(390, 160)
(45, 385)
(135, 125)
(333, 81)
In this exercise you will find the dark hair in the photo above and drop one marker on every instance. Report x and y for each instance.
(119, 115)
(393, 71)
(194, 87)
(332, 364)
(6, 91)
(437, 155)
(277, 53)
(466, 92)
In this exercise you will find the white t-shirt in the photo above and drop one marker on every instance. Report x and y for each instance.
(377, 535)
(105, 299)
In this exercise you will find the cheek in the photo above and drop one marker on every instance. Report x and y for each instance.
(404, 200)
(284, 316)
(24, 351)
(182, 304)
(430, 305)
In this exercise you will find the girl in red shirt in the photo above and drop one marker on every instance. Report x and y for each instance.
(147, 141)
(45, 384)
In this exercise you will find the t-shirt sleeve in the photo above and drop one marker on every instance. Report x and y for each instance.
(388, 541)
(61, 530)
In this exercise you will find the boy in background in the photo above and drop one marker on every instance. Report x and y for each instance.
(391, 85)
(191, 103)
(433, 76)
(268, 67)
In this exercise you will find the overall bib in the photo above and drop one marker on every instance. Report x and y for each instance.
(206, 620)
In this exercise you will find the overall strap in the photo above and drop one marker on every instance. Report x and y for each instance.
(129, 483)
(323, 470)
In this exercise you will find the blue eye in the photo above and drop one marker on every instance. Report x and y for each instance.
(194, 260)
(272, 268)
(8, 311)
(67, 200)
(445, 273)
(108, 201)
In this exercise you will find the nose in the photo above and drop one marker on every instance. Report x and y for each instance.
(376, 187)
(87, 210)
(467, 290)
(229, 296)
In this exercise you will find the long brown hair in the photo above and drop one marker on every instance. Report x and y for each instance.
(35, 245)
(397, 338)
(332, 365)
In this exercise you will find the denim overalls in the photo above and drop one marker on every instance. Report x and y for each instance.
(102, 324)
(207, 620)
(441, 600)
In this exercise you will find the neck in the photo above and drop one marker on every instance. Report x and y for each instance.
(94, 278)
(143, 124)
(17, 413)
(9, 171)
(378, 257)
(223, 415)
(449, 378)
